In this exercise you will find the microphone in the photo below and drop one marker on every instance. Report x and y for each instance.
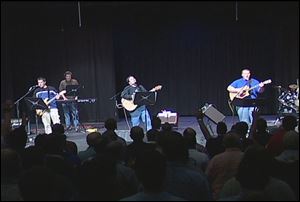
(35, 86)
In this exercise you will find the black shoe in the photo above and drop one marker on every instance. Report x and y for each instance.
(76, 129)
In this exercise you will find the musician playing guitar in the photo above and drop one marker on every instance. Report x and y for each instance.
(244, 88)
(136, 112)
(49, 95)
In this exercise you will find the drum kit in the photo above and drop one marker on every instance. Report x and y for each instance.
(289, 99)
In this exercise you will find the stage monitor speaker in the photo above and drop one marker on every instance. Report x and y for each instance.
(212, 113)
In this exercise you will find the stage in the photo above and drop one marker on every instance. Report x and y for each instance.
(123, 131)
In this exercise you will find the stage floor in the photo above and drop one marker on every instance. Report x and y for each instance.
(123, 131)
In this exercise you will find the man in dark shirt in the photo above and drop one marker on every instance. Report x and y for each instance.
(69, 107)
(141, 111)
(47, 93)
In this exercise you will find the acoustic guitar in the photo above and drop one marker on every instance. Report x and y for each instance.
(40, 112)
(244, 91)
(130, 106)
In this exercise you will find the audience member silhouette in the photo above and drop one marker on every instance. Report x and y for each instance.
(224, 166)
(154, 132)
(253, 179)
(138, 146)
(11, 168)
(151, 171)
(214, 145)
(197, 160)
(90, 152)
(261, 135)
(181, 180)
(275, 144)
(286, 165)
(42, 184)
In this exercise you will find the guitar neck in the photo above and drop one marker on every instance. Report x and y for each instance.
(51, 100)
(265, 82)
(253, 87)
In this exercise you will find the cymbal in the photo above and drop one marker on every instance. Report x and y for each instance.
(293, 86)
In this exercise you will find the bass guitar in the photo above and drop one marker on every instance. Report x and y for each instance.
(40, 112)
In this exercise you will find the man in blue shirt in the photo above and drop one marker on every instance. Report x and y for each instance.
(49, 95)
(239, 89)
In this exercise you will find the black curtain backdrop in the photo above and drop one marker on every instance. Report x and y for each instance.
(45, 39)
(193, 49)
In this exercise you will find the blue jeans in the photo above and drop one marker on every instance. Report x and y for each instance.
(138, 114)
(71, 108)
(245, 114)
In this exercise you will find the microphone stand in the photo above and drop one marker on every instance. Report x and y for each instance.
(18, 101)
(114, 97)
(117, 106)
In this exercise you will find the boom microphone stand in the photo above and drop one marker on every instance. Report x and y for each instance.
(21, 98)
(17, 103)
(117, 106)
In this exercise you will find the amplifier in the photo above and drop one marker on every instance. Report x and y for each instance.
(212, 113)
(168, 117)
(15, 123)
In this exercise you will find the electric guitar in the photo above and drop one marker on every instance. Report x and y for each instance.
(130, 106)
(40, 112)
(244, 91)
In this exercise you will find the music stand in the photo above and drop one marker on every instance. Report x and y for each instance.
(34, 104)
(72, 90)
(145, 98)
(256, 103)
(248, 102)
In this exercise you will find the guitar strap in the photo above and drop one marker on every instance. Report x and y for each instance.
(48, 93)
(249, 83)
(138, 89)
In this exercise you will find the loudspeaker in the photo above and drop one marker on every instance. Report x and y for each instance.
(212, 113)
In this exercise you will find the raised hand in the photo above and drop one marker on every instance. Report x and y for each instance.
(199, 114)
